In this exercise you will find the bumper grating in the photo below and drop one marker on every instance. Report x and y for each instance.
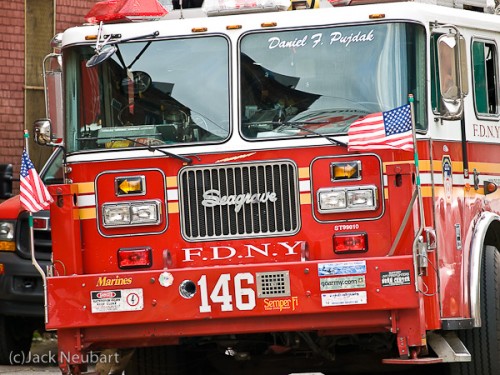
(273, 284)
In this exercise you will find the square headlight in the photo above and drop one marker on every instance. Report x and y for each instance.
(361, 198)
(347, 199)
(332, 200)
(116, 214)
(145, 213)
(131, 213)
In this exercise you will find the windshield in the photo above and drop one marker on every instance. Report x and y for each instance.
(162, 92)
(301, 82)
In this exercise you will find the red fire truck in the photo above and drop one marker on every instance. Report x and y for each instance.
(213, 207)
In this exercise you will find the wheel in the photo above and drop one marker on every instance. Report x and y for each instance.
(15, 339)
(484, 343)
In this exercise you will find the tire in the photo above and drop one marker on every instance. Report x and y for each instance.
(15, 339)
(484, 343)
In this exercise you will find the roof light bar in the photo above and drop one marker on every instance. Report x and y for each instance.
(219, 8)
(125, 10)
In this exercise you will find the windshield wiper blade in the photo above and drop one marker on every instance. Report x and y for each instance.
(164, 152)
(149, 147)
(107, 48)
(299, 125)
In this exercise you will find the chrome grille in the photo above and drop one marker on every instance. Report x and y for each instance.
(269, 191)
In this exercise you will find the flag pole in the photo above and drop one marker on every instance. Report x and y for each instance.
(32, 242)
(417, 240)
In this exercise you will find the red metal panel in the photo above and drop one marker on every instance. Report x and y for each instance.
(70, 303)
(66, 244)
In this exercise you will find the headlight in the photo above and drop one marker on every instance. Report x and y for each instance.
(131, 213)
(361, 198)
(7, 235)
(7, 230)
(332, 200)
(347, 199)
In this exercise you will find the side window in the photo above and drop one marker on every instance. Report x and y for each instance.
(435, 96)
(484, 60)
(52, 172)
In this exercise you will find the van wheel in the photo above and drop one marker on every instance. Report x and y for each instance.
(15, 339)
(484, 343)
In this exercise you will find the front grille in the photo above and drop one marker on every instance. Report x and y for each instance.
(239, 200)
(42, 237)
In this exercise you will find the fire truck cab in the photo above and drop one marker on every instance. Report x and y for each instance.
(238, 189)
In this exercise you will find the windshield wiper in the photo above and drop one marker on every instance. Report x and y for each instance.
(157, 148)
(299, 125)
(108, 48)
(149, 147)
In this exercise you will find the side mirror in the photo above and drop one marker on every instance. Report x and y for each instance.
(52, 77)
(43, 133)
(5, 181)
(101, 55)
(452, 75)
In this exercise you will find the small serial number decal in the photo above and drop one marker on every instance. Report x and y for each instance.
(341, 227)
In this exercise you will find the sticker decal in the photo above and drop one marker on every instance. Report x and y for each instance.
(166, 279)
(342, 268)
(104, 301)
(339, 283)
(395, 278)
(343, 299)
(447, 177)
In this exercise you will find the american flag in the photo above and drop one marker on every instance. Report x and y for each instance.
(382, 130)
(34, 194)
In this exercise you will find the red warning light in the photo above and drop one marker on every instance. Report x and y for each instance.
(118, 10)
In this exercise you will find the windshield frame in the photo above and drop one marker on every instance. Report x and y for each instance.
(416, 70)
(75, 99)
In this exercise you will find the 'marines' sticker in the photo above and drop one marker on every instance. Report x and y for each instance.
(395, 278)
(103, 301)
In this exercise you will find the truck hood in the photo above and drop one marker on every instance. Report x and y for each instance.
(10, 208)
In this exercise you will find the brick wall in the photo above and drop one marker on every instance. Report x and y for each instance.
(71, 13)
(13, 118)
(12, 81)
